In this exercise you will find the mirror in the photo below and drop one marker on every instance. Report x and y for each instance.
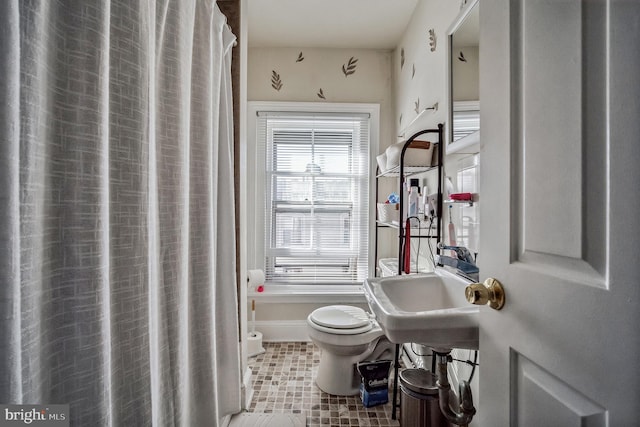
(464, 93)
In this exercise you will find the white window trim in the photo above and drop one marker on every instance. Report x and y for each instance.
(255, 197)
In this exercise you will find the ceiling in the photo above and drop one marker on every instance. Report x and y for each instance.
(366, 24)
(468, 32)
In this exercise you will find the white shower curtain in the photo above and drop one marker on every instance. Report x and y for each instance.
(117, 254)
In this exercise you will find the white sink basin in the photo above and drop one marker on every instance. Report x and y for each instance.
(429, 309)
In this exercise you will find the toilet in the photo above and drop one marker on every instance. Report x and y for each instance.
(345, 335)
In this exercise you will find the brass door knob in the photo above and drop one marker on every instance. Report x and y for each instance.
(490, 292)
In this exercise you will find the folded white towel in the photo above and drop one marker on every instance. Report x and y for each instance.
(412, 156)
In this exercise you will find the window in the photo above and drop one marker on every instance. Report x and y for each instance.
(315, 173)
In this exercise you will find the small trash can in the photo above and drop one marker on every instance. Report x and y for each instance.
(419, 402)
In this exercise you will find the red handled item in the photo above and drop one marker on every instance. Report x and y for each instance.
(462, 196)
(407, 247)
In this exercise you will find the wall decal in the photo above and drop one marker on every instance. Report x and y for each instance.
(400, 120)
(350, 67)
(432, 40)
(276, 83)
(461, 57)
(413, 73)
(417, 104)
(321, 94)
(300, 58)
(401, 58)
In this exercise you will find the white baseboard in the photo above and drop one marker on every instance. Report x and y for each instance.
(224, 422)
(283, 330)
(247, 389)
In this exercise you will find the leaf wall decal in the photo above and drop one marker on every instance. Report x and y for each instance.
(417, 104)
(461, 57)
(413, 73)
(276, 83)
(432, 40)
(321, 94)
(350, 67)
(300, 58)
(401, 58)
(400, 120)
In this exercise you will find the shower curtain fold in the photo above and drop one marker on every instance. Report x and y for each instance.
(117, 263)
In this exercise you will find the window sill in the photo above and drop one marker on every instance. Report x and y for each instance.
(323, 294)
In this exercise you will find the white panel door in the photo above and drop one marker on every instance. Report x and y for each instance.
(560, 180)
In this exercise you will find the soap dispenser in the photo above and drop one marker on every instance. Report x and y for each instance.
(414, 202)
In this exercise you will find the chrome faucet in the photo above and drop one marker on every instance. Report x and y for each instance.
(464, 261)
(462, 252)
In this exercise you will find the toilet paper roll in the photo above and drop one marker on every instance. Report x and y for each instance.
(255, 278)
(254, 344)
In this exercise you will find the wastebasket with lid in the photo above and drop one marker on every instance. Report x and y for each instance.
(419, 402)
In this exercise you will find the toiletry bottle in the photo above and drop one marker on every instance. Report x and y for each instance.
(405, 200)
(448, 187)
(424, 201)
(414, 196)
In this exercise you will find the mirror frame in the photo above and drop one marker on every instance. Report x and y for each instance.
(473, 139)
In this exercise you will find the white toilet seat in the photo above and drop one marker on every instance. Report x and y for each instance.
(341, 320)
(354, 331)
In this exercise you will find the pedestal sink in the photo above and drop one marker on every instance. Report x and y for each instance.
(428, 309)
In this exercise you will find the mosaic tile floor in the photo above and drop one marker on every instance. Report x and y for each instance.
(283, 382)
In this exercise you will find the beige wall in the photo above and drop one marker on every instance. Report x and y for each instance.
(421, 78)
(466, 74)
(301, 81)
(321, 69)
(378, 78)
(419, 74)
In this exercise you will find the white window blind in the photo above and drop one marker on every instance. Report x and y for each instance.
(316, 197)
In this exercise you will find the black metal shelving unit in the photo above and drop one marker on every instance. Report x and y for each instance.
(403, 172)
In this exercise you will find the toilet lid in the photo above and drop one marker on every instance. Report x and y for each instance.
(340, 317)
